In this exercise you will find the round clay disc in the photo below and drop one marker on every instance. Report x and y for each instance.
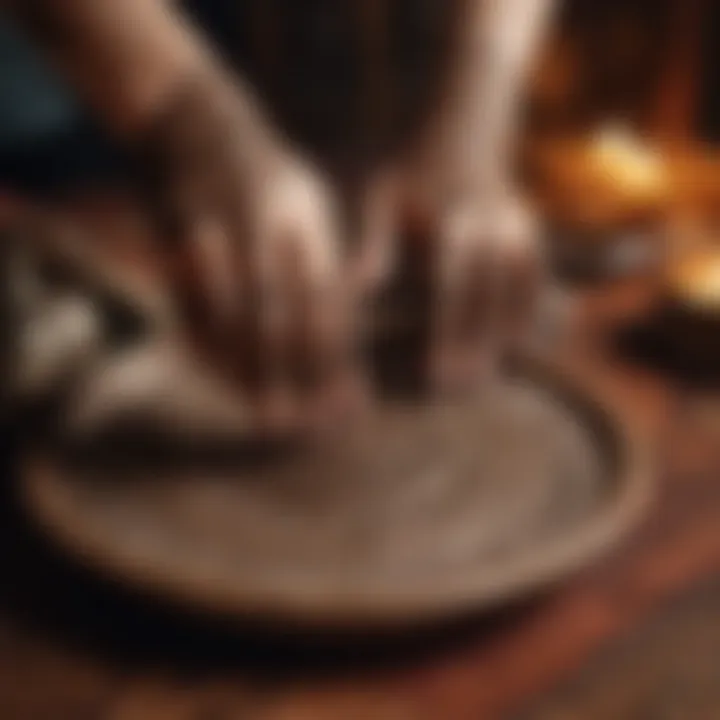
(420, 513)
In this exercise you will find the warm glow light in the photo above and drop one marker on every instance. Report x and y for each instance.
(631, 163)
(699, 280)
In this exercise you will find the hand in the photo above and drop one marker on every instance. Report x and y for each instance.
(472, 243)
(255, 255)
(475, 253)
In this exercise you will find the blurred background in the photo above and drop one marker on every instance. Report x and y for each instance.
(623, 115)
(621, 156)
(624, 120)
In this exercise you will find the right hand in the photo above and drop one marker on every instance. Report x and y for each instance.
(256, 260)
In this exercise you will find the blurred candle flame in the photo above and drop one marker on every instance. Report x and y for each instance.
(632, 164)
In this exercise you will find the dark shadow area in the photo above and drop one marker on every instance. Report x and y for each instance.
(65, 162)
(687, 352)
(710, 79)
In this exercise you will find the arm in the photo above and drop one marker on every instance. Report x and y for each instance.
(126, 59)
(253, 252)
(457, 191)
(482, 114)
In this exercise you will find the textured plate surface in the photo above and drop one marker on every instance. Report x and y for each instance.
(421, 513)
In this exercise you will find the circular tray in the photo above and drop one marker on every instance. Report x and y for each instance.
(420, 514)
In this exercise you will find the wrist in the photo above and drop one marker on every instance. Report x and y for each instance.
(204, 119)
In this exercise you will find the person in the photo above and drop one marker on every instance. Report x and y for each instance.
(268, 283)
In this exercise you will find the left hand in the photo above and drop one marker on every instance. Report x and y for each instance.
(476, 250)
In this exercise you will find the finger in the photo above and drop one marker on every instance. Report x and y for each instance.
(331, 384)
(324, 339)
(206, 283)
(260, 338)
(469, 287)
(213, 250)
(301, 312)
(322, 331)
(375, 253)
(283, 317)
(517, 240)
(326, 321)
(220, 299)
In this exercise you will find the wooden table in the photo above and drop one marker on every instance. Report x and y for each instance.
(636, 636)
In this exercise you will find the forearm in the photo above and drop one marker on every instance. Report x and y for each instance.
(129, 60)
(500, 41)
